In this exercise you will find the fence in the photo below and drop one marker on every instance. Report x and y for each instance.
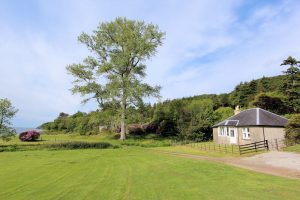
(226, 148)
(279, 144)
(209, 146)
(273, 144)
(254, 147)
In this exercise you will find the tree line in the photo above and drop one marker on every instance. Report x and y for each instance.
(185, 118)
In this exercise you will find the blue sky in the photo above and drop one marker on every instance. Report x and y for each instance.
(210, 46)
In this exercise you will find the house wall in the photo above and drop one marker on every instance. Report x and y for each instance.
(257, 134)
(274, 133)
(220, 139)
(215, 135)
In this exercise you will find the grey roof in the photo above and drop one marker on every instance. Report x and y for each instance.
(254, 117)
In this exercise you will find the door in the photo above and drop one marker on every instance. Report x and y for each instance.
(233, 135)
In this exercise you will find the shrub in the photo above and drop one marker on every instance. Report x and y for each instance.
(140, 130)
(135, 129)
(292, 129)
(150, 128)
(195, 133)
(167, 128)
(7, 133)
(147, 143)
(81, 145)
(29, 136)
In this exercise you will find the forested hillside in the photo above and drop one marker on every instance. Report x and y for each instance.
(189, 117)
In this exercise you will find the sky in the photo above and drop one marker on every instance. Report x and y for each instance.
(210, 46)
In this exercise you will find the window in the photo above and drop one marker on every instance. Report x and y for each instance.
(220, 131)
(231, 133)
(223, 131)
(246, 133)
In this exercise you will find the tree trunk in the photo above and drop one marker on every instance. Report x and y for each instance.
(123, 117)
(123, 126)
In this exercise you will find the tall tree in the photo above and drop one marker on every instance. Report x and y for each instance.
(292, 83)
(7, 112)
(293, 70)
(115, 71)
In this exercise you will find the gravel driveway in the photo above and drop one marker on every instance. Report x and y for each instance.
(285, 164)
(288, 160)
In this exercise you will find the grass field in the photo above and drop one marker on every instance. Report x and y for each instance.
(187, 149)
(131, 173)
(295, 148)
(204, 148)
(57, 138)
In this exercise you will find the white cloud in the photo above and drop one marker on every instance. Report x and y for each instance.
(250, 49)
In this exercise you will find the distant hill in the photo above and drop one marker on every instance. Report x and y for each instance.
(243, 93)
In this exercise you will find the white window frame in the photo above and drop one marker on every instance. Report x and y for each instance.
(226, 131)
(220, 131)
(246, 133)
(223, 131)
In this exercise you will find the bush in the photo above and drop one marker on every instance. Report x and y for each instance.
(146, 143)
(140, 130)
(292, 129)
(29, 136)
(167, 128)
(135, 129)
(81, 145)
(150, 128)
(7, 133)
(197, 134)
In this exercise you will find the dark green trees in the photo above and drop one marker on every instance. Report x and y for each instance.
(293, 129)
(271, 102)
(291, 85)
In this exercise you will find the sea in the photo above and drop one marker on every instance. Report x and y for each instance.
(23, 129)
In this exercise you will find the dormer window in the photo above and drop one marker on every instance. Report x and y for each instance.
(246, 133)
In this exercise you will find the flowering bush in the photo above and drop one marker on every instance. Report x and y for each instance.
(135, 129)
(29, 136)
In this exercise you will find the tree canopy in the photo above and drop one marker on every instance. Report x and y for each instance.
(113, 74)
(291, 85)
(293, 129)
(7, 112)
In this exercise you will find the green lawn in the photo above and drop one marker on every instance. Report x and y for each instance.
(60, 138)
(295, 148)
(131, 173)
(203, 148)
(187, 149)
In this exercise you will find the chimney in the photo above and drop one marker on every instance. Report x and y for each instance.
(237, 110)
